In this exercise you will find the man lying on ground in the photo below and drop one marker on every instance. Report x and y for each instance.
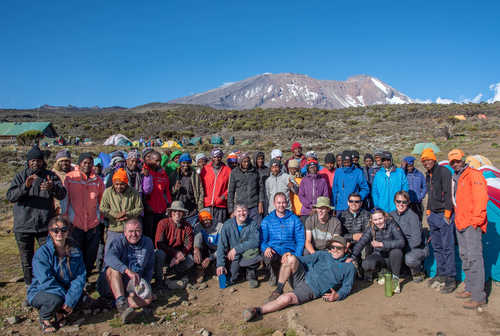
(328, 274)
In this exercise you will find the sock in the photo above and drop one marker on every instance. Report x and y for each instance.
(259, 311)
(279, 288)
(120, 299)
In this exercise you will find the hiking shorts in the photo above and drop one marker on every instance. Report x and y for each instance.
(301, 289)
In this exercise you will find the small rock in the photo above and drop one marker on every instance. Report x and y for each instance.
(179, 334)
(106, 333)
(192, 297)
(183, 316)
(161, 320)
(203, 286)
(185, 303)
(70, 329)
(278, 333)
(79, 322)
(17, 279)
(206, 333)
(232, 290)
(12, 320)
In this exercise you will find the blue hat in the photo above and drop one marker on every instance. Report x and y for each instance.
(185, 158)
(409, 159)
(98, 161)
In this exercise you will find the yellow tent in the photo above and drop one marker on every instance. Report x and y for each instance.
(460, 117)
(476, 161)
(171, 144)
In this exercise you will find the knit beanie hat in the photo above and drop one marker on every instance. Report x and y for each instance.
(200, 156)
(329, 158)
(185, 158)
(428, 154)
(34, 154)
(120, 175)
(63, 155)
(84, 156)
(275, 153)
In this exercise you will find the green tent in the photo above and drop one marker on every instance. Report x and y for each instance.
(246, 142)
(195, 141)
(419, 148)
(216, 140)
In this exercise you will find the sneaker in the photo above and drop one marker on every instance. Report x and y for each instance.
(436, 281)
(121, 305)
(250, 314)
(127, 315)
(449, 286)
(463, 295)
(274, 295)
(395, 285)
(253, 283)
(471, 304)
(381, 279)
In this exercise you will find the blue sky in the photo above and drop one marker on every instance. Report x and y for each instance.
(128, 53)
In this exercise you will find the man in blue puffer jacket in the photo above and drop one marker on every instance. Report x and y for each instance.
(388, 181)
(347, 180)
(282, 232)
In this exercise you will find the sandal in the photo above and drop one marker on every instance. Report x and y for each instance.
(47, 327)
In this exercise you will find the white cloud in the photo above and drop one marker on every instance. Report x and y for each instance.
(477, 98)
(445, 101)
(495, 88)
(421, 101)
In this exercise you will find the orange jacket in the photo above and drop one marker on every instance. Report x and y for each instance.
(471, 200)
(295, 200)
(83, 198)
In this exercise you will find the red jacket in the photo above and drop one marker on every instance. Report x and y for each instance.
(160, 196)
(471, 200)
(215, 186)
(171, 239)
(328, 176)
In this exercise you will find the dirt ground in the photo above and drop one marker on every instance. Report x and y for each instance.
(418, 310)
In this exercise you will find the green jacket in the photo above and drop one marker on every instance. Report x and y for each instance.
(112, 203)
(172, 166)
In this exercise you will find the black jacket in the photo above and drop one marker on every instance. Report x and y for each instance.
(33, 208)
(351, 224)
(439, 189)
(244, 187)
(390, 235)
(411, 227)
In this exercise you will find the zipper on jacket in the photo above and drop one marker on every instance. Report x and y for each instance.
(215, 184)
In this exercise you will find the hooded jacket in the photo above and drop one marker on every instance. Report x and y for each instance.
(471, 199)
(390, 235)
(325, 272)
(311, 187)
(416, 185)
(230, 237)
(275, 184)
(33, 207)
(346, 181)
(63, 277)
(385, 187)
(282, 234)
(215, 185)
(172, 166)
(244, 187)
(83, 199)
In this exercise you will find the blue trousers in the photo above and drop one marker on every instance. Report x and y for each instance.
(443, 244)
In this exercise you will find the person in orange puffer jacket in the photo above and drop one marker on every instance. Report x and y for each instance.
(470, 198)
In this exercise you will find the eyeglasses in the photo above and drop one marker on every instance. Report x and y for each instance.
(401, 202)
(57, 230)
(356, 201)
(338, 248)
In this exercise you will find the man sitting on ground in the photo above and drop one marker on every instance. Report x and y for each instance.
(321, 227)
(239, 245)
(324, 273)
(205, 242)
(128, 258)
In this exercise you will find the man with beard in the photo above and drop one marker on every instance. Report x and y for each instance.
(205, 242)
(245, 187)
(33, 191)
(187, 188)
(215, 179)
(157, 195)
(174, 243)
(85, 191)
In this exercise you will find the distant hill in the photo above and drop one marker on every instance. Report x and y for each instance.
(295, 90)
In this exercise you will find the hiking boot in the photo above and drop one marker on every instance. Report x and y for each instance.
(381, 279)
(418, 277)
(273, 281)
(250, 314)
(463, 295)
(127, 315)
(471, 304)
(395, 285)
(436, 281)
(253, 283)
(449, 286)
(274, 295)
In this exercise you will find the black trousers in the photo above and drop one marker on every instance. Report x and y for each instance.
(26, 245)
(392, 260)
(88, 242)
(273, 265)
(47, 304)
(150, 223)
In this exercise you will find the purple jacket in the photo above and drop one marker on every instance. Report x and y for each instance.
(311, 187)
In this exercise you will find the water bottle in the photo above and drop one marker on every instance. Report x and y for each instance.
(388, 284)
(222, 281)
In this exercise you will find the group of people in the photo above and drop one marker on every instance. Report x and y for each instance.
(315, 227)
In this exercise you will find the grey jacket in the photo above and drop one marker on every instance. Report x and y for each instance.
(275, 184)
(242, 241)
(410, 226)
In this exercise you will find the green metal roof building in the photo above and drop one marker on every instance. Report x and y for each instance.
(10, 130)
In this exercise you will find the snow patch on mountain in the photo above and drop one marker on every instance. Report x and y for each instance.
(380, 85)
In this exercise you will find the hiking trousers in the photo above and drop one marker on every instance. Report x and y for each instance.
(26, 245)
(88, 242)
(470, 249)
(375, 261)
(47, 304)
(443, 244)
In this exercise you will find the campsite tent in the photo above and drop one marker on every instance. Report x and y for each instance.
(216, 140)
(118, 140)
(476, 161)
(419, 148)
(195, 141)
(171, 144)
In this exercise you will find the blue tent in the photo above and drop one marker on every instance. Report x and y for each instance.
(106, 159)
(216, 140)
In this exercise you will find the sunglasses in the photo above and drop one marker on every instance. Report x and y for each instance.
(56, 230)
(401, 202)
(356, 201)
(338, 248)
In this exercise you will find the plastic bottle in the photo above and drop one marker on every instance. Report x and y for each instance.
(388, 284)
(222, 281)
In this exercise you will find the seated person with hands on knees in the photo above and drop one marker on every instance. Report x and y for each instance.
(59, 276)
(328, 274)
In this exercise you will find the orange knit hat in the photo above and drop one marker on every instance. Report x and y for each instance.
(204, 215)
(120, 175)
(428, 154)
(455, 154)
